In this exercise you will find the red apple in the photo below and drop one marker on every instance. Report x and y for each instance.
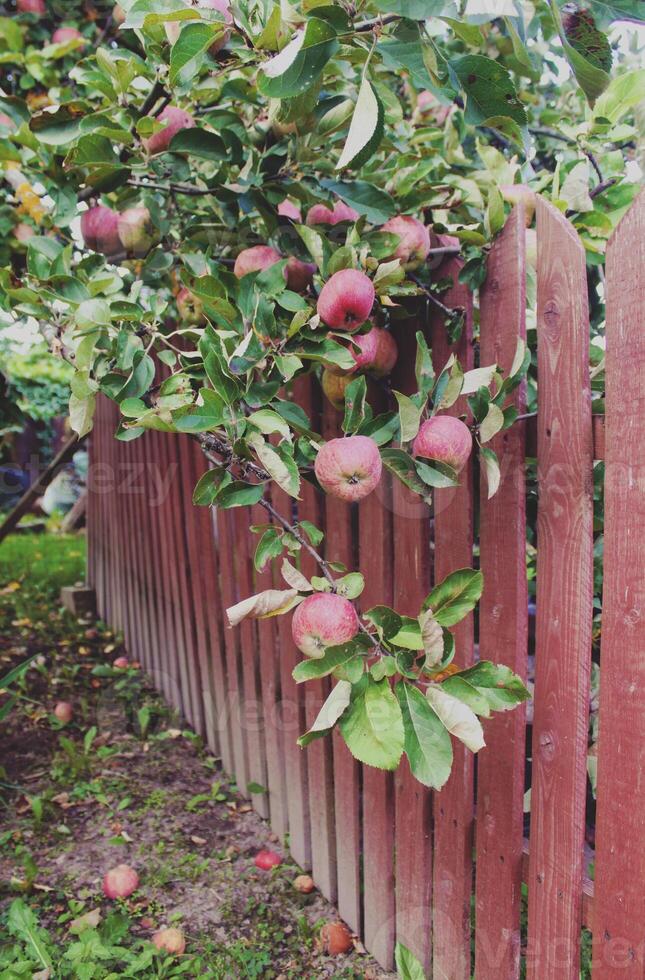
(171, 940)
(348, 468)
(445, 439)
(320, 214)
(23, 232)
(323, 620)
(64, 712)
(287, 209)
(334, 385)
(336, 938)
(190, 308)
(66, 34)
(346, 300)
(265, 860)
(304, 884)
(531, 248)
(299, 274)
(120, 882)
(100, 230)
(31, 7)
(429, 107)
(514, 193)
(414, 239)
(136, 231)
(121, 663)
(378, 351)
(255, 259)
(173, 28)
(175, 120)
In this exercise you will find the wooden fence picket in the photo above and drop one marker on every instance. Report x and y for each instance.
(503, 628)
(564, 602)
(619, 910)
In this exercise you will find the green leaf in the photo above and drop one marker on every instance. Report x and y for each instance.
(607, 11)
(238, 494)
(208, 486)
(492, 470)
(81, 413)
(456, 596)
(407, 965)
(355, 404)
(189, 50)
(587, 55)
(366, 128)
(492, 424)
(372, 726)
(436, 474)
(332, 658)
(351, 585)
(203, 417)
(623, 93)
(423, 369)
(401, 464)
(404, 49)
(409, 636)
(415, 9)
(199, 143)
(369, 200)
(297, 67)
(335, 705)
(489, 90)
(280, 466)
(409, 417)
(386, 620)
(269, 547)
(16, 673)
(22, 923)
(497, 683)
(460, 688)
(427, 743)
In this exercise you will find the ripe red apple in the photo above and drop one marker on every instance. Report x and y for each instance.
(287, 209)
(348, 468)
(334, 385)
(63, 34)
(414, 239)
(136, 231)
(255, 259)
(531, 248)
(299, 274)
(378, 351)
(175, 120)
(100, 230)
(173, 28)
(190, 308)
(445, 439)
(346, 300)
(514, 193)
(304, 884)
(171, 940)
(64, 712)
(121, 663)
(120, 882)
(323, 620)
(265, 860)
(320, 214)
(336, 938)
(31, 7)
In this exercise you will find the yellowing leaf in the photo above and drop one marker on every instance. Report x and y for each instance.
(272, 602)
(294, 578)
(457, 717)
(432, 638)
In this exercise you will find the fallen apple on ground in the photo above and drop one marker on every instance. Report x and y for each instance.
(120, 882)
(64, 712)
(171, 940)
(336, 938)
(266, 860)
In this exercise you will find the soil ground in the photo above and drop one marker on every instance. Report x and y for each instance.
(124, 782)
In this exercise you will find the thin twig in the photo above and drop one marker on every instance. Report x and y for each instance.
(169, 188)
(370, 25)
(292, 529)
(446, 310)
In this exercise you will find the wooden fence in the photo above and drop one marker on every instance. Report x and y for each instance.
(442, 872)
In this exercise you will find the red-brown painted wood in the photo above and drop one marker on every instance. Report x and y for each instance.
(413, 801)
(619, 911)
(564, 602)
(376, 557)
(320, 762)
(503, 628)
(453, 805)
(270, 691)
(340, 546)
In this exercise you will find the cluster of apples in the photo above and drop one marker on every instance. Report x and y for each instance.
(111, 233)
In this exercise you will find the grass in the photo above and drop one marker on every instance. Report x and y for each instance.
(114, 787)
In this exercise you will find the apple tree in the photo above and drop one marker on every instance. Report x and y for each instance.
(205, 201)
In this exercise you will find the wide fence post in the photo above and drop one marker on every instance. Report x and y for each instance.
(564, 602)
(619, 902)
(503, 627)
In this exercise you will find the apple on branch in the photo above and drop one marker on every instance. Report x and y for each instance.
(320, 214)
(136, 231)
(100, 230)
(175, 120)
(346, 300)
(173, 28)
(445, 439)
(414, 240)
(349, 468)
(323, 620)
